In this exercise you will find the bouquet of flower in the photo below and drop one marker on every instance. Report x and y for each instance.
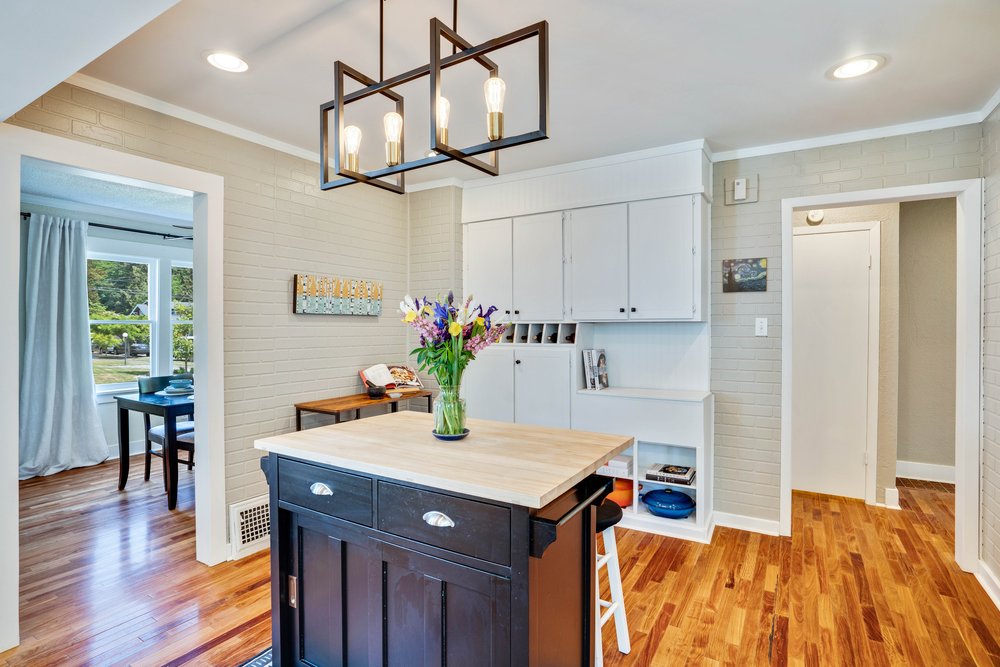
(450, 337)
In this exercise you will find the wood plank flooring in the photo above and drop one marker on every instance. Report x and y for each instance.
(109, 578)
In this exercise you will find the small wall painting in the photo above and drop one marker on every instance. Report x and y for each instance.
(326, 295)
(744, 275)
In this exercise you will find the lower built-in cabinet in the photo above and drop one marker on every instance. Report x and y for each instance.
(526, 384)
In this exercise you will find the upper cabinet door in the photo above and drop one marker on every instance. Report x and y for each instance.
(662, 259)
(599, 263)
(489, 263)
(538, 268)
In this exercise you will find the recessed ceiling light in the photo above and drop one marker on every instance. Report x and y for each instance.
(227, 62)
(857, 67)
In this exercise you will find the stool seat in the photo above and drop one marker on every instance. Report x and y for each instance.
(608, 514)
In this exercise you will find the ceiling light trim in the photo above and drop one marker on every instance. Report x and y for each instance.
(877, 60)
(226, 61)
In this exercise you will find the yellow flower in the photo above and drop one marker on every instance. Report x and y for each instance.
(410, 316)
(481, 321)
(454, 328)
(428, 309)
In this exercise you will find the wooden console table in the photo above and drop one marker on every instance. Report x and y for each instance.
(339, 404)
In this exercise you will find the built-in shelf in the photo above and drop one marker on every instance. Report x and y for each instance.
(654, 394)
(682, 487)
(540, 333)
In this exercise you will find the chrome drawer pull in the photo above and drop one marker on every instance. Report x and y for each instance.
(439, 520)
(321, 489)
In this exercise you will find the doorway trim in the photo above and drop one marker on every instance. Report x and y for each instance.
(874, 229)
(968, 343)
(210, 478)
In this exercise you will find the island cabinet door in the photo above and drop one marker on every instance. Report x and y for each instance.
(440, 613)
(332, 569)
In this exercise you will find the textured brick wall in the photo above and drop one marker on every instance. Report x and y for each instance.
(746, 370)
(277, 223)
(990, 482)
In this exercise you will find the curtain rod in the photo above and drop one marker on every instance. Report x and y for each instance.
(163, 235)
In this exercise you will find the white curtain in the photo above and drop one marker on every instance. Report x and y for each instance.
(59, 424)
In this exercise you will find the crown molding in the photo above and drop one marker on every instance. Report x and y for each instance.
(154, 104)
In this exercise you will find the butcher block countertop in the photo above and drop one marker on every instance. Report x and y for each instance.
(510, 463)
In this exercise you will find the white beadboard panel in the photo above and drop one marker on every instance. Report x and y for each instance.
(681, 173)
(989, 487)
(670, 422)
(654, 355)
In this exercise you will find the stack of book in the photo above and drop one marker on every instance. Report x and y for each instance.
(661, 472)
(619, 466)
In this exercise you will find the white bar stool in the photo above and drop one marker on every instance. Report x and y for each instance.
(608, 514)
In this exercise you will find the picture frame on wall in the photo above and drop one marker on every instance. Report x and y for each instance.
(744, 275)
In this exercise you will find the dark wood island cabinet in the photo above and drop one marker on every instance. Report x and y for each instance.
(379, 561)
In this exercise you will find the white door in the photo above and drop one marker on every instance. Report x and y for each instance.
(542, 387)
(538, 268)
(834, 359)
(488, 384)
(661, 261)
(488, 263)
(599, 268)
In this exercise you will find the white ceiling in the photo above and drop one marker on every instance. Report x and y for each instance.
(42, 43)
(624, 75)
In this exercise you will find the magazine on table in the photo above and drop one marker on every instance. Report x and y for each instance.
(396, 376)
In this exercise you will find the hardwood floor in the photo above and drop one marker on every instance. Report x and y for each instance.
(110, 579)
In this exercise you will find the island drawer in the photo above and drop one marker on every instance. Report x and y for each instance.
(468, 527)
(334, 493)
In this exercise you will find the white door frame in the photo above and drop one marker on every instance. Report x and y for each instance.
(210, 477)
(968, 344)
(874, 230)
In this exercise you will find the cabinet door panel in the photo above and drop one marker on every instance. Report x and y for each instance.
(538, 267)
(488, 384)
(661, 263)
(438, 612)
(599, 288)
(489, 263)
(542, 387)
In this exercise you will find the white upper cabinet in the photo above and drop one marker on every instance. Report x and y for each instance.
(489, 263)
(662, 266)
(599, 263)
(538, 267)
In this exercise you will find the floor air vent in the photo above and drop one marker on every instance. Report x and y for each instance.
(250, 526)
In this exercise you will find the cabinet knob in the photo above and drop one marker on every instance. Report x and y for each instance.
(633, 309)
(517, 361)
(506, 312)
(438, 520)
(621, 310)
(320, 489)
(517, 312)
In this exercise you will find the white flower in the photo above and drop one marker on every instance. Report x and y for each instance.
(407, 305)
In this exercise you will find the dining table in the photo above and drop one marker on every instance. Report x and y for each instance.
(161, 405)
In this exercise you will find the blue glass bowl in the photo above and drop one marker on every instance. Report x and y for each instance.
(181, 383)
(450, 436)
(668, 503)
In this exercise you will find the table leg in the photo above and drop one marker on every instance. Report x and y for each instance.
(357, 413)
(298, 419)
(336, 417)
(170, 459)
(122, 447)
(395, 407)
(430, 404)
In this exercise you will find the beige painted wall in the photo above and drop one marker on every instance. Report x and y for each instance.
(888, 348)
(277, 223)
(747, 419)
(990, 462)
(927, 249)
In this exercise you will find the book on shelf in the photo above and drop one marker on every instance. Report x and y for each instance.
(588, 371)
(673, 474)
(619, 466)
(595, 369)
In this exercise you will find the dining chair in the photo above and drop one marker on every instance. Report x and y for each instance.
(158, 434)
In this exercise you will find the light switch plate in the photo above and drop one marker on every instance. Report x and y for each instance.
(739, 189)
(747, 193)
(760, 328)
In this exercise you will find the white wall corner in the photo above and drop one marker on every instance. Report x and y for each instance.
(990, 582)
(748, 523)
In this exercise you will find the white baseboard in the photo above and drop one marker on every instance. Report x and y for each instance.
(750, 523)
(892, 498)
(990, 582)
(134, 447)
(930, 472)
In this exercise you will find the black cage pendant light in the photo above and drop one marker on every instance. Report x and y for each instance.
(341, 144)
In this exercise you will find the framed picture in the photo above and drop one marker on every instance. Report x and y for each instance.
(327, 295)
(744, 275)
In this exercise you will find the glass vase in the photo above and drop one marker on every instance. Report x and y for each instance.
(449, 411)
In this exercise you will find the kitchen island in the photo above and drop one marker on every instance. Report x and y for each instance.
(389, 547)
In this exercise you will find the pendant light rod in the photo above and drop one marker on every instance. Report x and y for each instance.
(381, 39)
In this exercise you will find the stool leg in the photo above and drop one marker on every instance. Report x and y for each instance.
(617, 595)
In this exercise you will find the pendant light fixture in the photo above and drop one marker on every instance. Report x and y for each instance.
(340, 145)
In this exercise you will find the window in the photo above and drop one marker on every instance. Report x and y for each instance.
(121, 322)
(182, 317)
